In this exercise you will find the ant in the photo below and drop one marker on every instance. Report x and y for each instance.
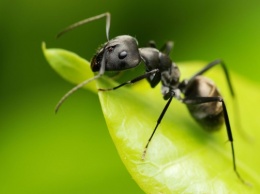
(201, 95)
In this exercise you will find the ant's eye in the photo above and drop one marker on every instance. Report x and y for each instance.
(122, 55)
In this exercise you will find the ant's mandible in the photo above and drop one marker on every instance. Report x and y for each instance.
(201, 96)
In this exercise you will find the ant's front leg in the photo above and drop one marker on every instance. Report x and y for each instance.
(131, 81)
(167, 47)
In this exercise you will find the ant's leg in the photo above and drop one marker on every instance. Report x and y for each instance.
(200, 100)
(132, 81)
(167, 47)
(208, 67)
(157, 124)
(152, 44)
(236, 105)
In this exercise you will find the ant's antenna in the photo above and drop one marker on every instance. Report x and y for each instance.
(82, 22)
(100, 73)
(102, 68)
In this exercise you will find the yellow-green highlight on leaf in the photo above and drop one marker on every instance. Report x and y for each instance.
(69, 65)
(181, 158)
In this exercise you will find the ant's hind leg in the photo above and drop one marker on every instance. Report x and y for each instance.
(201, 100)
(208, 67)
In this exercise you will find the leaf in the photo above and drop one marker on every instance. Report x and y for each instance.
(181, 158)
(69, 66)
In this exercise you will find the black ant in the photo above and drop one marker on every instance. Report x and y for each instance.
(201, 95)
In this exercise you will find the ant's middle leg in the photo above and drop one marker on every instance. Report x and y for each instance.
(201, 100)
(158, 123)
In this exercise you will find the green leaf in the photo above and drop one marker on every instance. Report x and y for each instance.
(181, 158)
(69, 66)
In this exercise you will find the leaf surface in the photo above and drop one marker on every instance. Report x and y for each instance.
(181, 158)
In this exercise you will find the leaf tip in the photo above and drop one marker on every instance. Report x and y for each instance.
(43, 46)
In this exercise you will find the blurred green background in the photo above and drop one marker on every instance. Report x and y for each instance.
(71, 152)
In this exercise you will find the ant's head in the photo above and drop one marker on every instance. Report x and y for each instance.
(118, 54)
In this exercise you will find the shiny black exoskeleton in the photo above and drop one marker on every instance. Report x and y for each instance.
(199, 93)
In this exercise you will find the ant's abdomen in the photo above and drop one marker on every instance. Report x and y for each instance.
(210, 114)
